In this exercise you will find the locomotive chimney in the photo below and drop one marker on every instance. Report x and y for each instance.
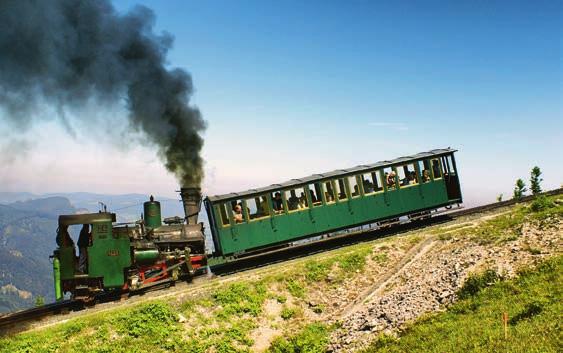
(191, 199)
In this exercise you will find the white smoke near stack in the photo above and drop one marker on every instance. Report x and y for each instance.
(68, 53)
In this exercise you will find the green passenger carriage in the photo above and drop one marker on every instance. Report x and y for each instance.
(324, 203)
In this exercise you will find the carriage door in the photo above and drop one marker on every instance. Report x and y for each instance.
(451, 177)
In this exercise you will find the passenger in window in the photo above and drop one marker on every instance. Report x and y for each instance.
(356, 190)
(391, 179)
(313, 197)
(368, 186)
(405, 181)
(436, 168)
(412, 178)
(302, 204)
(425, 176)
(329, 194)
(237, 214)
(278, 202)
(293, 201)
(263, 207)
(303, 200)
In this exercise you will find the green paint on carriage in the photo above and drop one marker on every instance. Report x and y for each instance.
(231, 237)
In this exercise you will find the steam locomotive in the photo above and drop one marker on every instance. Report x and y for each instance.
(128, 256)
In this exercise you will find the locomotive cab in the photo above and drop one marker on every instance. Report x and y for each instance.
(106, 256)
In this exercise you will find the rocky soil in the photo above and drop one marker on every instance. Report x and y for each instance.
(431, 283)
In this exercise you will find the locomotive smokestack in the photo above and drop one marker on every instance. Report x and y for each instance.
(191, 199)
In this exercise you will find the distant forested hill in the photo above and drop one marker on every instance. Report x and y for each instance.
(27, 238)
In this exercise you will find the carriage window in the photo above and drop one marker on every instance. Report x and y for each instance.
(450, 165)
(340, 189)
(424, 167)
(390, 178)
(377, 184)
(224, 215)
(296, 199)
(353, 184)
(436, 168)
(277, 202)
(257, 207)
(315, 192)
(407, 175)
(367, 183)
(328, 191)
(237, 211)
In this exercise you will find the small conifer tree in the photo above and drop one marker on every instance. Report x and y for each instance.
(519, 189)
(499, 197)
(39, 301)
(535, 180)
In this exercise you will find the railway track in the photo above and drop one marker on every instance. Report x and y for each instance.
(10, 321)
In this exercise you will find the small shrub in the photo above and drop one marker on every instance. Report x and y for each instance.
(530, 310)
(316, 271)
(73, 328)
(541, 203)
(476, 283)
(295, 287)
(281, 299)
(313, 339)
(287, 313)
(519, 189)
(352, 262)
(382, 341)
(240, 298)
(380, 258)
(318, 309)
(156, 320)
(39, 301)
(535, 180)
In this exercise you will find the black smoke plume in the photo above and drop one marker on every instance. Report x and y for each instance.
(67, 53)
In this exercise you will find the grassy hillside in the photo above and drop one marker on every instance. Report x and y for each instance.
(292, 303)
(474, 324)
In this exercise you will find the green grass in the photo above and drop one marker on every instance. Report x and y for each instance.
(240, 298)
(312, 339)
(532, 301)
(508, 227)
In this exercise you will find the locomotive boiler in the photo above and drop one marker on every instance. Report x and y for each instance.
(111, 256)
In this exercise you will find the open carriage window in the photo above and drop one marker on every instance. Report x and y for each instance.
(277, 202)
(340, 189)
(258, 207)
(407, 175)
(367, 183)
(448, 165)
(377, 183)
(328, 191)
(237, 211)
(390, 178)
(224, 214)
(315, 192)
(436, 168)
(424, 167)
(354, 187)
(296, 199)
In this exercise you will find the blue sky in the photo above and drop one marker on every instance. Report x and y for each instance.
(291, 88)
